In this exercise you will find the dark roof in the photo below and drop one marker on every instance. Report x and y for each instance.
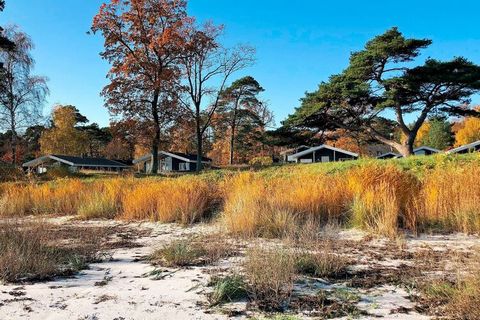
(89, 162)
(76, 161)
(190, 156)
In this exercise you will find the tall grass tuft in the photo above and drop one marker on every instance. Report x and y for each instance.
(383, 198)
(273, 207)
(270, 274)
(450, 199)
(183, 200)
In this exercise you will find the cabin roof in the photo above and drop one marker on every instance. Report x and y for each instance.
(389, 154)
(76, 161)
(426, 148)
(290, 150)
(465, 147)
(323, 146)
(187, 157)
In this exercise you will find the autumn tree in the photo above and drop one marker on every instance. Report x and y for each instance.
(143, 41)
(207, 67)
(98, 138)
(64, 138)
(469, 131)
(123, 140)
(379, 79)
(21, 94)
(435, 133)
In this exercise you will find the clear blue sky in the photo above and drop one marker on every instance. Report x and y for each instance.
(299, 43)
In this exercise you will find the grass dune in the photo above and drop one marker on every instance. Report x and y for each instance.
(440, 192)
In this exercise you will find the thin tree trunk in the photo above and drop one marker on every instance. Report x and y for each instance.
(232, 136)
(14, 147)
(199, 144)
(156, 138)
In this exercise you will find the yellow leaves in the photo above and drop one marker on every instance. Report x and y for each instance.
(64, 138)
(422, 133)
(469, 132)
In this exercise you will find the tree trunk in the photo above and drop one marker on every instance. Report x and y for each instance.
(156, 138)
(14, 147)
(405, 149)
(13, 140)
(232, 136)
(199, 145)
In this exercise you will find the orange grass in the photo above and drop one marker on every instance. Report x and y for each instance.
(271, 207)
(450, 199)
(383, 199)
(378, 197)
(185, 200)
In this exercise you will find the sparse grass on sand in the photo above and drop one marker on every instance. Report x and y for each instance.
(37, 250)
(270, 274)
(458, 298)
(227, 289)
(192, 251)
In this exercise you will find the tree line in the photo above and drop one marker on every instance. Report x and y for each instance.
(172, 86)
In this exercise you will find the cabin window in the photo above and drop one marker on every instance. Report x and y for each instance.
(325, 159)
(305, 160)
(184, 166)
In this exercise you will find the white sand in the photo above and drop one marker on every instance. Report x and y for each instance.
(129, 294)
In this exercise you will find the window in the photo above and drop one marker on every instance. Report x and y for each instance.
(325, 159)
(184, 166)
(420, 153)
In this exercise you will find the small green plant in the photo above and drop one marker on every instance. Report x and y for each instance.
(178, 254)
(227, 289)
(321, 264)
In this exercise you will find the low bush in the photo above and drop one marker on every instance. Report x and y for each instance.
(178, 254)
(321, 264)
(270, 274)
(259, 162)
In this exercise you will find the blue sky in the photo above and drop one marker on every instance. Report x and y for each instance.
(299, 43)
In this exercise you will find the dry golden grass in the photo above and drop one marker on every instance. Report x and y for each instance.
(450, 199)
(183, 200)
(383, 198)
(273, 207)
(378, 197)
